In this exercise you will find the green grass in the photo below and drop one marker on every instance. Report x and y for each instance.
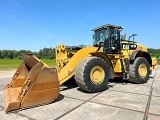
(158, 61)
(50, 62)
(8, 64)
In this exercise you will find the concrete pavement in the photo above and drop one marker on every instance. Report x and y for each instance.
(122, 101)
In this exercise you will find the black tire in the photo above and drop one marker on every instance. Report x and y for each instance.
(134, 75)
(83, 71)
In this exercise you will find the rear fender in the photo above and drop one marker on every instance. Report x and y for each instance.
(139, 53)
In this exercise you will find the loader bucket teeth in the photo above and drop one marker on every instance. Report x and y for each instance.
(33, 84)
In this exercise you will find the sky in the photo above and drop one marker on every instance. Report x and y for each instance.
(35, 24)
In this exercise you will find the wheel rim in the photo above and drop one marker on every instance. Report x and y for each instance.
(97, 75)
(142, 70)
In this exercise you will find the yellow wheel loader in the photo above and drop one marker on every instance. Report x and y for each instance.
(111, 56)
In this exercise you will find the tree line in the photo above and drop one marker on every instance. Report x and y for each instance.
(45, 53)
(154, 52)
(49, 53)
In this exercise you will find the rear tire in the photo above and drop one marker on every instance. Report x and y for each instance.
(92, 74)
(139, 71)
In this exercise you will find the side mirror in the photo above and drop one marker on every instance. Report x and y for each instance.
(134, 34)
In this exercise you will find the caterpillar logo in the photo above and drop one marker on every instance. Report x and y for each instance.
(129, 46)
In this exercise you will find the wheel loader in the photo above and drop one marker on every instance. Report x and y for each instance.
(35, 83)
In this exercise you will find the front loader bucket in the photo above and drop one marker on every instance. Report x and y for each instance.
(33, 84)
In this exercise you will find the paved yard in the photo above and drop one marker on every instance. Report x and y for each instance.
(122, 101)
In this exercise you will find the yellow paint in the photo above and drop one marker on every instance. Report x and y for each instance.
(66, 71)
(97, 75)
(67, 61)
(117, 65)
(142, 70)
(154, 63)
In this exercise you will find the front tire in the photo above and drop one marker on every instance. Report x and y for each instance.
(92, 74)
(139, 71)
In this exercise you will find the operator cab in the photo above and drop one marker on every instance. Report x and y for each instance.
(108, 36)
